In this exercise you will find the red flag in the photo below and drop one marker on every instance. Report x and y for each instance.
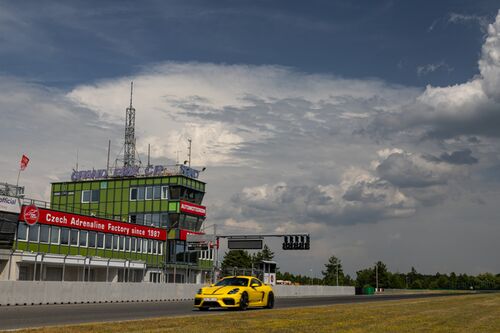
(24, 162)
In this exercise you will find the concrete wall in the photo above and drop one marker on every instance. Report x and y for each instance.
(46, 292)
(297, 291)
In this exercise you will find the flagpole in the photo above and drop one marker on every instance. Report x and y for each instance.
(22, 166)
(17, 182)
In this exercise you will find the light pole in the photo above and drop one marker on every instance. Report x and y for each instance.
(376, 277)
(215, 251)
(337, 274)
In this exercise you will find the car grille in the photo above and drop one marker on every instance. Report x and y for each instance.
(211, 304)
(228, 301)
(197, 301)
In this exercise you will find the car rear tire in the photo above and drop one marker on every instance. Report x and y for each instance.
(270, 300)
(244, 301)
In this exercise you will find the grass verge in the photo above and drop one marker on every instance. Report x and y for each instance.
(467, 313)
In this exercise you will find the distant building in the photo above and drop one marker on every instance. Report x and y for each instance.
(167, 201)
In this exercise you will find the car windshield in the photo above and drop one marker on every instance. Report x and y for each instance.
(240, 282)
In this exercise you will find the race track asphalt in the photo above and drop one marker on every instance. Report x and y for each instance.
(15, 317)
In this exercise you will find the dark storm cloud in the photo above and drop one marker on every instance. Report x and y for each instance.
(401, 183)
(459, 157)
(403, 170)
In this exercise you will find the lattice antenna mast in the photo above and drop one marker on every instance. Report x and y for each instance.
(129, 148)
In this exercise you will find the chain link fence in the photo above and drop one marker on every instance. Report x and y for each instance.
(234, 271)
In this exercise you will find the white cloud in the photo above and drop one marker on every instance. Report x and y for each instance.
(430, 68)
(489, 64)
(457, 18)
(469, 108)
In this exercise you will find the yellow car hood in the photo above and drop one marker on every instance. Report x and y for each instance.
(221, 290)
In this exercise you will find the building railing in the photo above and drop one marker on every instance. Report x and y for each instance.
(69, 209)
(136, 171)
(11, 190)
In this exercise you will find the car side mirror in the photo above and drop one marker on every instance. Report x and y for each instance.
(253, 285)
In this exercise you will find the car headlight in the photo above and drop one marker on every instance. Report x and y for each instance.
(234, 291)
(200, 291)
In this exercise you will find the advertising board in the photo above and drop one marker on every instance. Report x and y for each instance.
(191, 208)
(9, 204)
(69, 220)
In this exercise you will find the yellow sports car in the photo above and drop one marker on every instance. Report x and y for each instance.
(236, 292)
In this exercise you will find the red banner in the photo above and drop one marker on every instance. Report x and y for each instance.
(69, 220)
(183, 233)
(191, 208)
(24, 162)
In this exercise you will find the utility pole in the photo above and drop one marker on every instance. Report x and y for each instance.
(376, 277)
(215, 261)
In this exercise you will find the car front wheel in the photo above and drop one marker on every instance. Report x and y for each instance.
(244, 301)
(270, 300)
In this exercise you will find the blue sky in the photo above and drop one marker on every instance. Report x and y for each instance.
(66, 43)
(372, 125)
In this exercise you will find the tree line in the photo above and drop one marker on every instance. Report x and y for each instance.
(367, 277)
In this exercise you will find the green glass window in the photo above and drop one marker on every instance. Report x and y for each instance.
(54, 235)
(64, 236)
(133, 193)
(172, 206)
(115, 242)
(44, 233)
(22, 230)
(100, 240)
(108, 241)
(73, 237)
(149, 193)
(164, 192)
(141, 193)
(122, 243)
(89, 196)
(33, 233)
(83, 237)
(92, 238)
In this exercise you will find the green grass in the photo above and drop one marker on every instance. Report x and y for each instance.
(464, 313)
